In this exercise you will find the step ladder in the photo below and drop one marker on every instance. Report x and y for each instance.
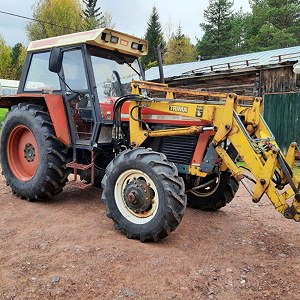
(77, 166)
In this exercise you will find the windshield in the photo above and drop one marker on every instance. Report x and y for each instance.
(113, 73)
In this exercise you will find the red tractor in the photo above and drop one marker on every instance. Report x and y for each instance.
(82, 108)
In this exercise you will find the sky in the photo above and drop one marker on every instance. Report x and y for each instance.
(129, 16)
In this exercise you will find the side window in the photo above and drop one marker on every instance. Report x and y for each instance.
(39, 77)
(73, 68)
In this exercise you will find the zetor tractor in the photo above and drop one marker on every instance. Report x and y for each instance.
(81, 107)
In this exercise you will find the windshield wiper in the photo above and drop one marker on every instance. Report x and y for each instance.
(120, 56)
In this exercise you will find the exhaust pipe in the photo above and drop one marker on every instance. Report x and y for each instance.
(160, 65)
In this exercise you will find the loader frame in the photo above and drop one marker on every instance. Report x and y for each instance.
(234, 118)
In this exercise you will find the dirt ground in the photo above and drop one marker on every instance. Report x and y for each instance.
(68, 249)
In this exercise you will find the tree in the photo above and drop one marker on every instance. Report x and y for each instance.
(179, 49)
(5, 60)
(217, 39)
(57, 17)
(169, 29)
(107, 20)
(154, 36)
(93, 17)
(275, 24)
(18, 55)
(240, 32)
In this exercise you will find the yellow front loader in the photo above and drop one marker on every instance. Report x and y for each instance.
(236, 122)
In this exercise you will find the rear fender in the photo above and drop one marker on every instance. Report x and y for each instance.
(55, 106)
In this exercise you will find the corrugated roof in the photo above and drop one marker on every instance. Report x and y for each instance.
(243, 61)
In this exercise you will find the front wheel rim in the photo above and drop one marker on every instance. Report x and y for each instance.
(120, 192)
(22, 153)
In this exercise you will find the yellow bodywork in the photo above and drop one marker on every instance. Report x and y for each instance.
(234, 118)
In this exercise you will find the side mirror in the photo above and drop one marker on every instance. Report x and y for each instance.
(55, 60)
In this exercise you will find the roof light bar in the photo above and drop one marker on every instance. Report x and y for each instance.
(107, 37)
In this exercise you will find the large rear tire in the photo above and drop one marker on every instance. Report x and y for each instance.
(216, 195)
(144, 195)
(33, 159)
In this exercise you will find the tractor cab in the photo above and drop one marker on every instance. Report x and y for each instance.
(89, 70)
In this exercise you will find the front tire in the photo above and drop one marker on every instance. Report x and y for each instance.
(144, 195)
(33, 159)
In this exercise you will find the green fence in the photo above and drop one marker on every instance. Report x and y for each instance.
(282, 112)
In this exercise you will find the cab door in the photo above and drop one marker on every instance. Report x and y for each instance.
(79, 98)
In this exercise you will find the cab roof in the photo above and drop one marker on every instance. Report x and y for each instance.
(103, 37)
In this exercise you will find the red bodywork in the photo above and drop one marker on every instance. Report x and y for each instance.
(148, 115)
(55, 107)
(58, 116)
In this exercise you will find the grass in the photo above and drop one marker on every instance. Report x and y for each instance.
(2, 114)
(296, 171)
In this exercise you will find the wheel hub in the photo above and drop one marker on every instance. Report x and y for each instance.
(138, 195)
(29, 152)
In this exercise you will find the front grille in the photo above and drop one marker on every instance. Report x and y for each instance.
(179, 149)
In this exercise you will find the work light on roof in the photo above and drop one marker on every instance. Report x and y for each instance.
(137, 46)
(109, 38)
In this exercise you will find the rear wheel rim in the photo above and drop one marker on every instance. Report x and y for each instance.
(209, 190)
(22, 153)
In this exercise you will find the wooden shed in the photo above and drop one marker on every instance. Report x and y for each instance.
(247, 74)
(268, 74)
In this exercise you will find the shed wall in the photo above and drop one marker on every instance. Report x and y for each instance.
(282, 114)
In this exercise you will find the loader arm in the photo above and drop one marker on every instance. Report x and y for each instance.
(233, 118)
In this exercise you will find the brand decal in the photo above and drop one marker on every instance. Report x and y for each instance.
(182, 109)
(199, 111)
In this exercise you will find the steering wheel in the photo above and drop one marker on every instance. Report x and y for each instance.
(81, 95)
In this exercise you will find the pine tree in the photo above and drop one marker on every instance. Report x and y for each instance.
(18, 55)
(217, 39)
(154, 36)
(241, 31)
(93, 16)
(275, 24)
(178, 34)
